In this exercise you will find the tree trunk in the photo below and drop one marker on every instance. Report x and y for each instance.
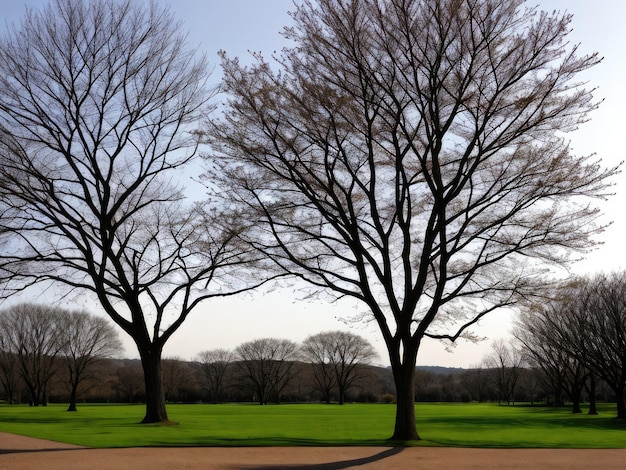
(155, 395)
(404, 377)
(34, 399)
(9, 389)
(576, 392)
(558, 396)
(72, 405)
(261, 392)
(593, 409)
(621, 404)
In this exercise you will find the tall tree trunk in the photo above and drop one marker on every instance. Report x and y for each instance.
(404, 377)
(155, 394)
(405, 428)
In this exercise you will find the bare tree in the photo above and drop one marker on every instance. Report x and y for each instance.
(590, 320)
(582, 321)
(506, 362)
(214, 365)
(530, 383)
(177, 378)
(97, 104)
(318, 350)
(10, 378)
(539, 333)
(86, 339)
(338, 358)
(33, 334)
(475, 379)
(267, 366)
(130, 381)
(410, 155)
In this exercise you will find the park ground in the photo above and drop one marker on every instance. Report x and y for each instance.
(21, 453)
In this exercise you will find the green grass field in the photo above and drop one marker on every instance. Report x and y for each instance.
(474, 425)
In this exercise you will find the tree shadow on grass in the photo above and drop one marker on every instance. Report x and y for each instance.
(530, 416)
(522, 427)
(331, 465)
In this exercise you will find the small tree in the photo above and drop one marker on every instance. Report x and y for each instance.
(214, 366)
(177, 378)
(506, 362)
(410, 155)
(318, 350)
(34, 335)
(475, 379)
(86, 339)
(130, 381)
(267, 366)
(338, 358)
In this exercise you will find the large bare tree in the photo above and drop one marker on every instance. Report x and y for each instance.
(411, 154)
(97, 103)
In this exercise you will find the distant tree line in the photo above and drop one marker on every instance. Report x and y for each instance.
(121, 381)
(51, 354)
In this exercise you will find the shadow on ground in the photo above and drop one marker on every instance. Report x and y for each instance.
(332, 465)
(31, 451)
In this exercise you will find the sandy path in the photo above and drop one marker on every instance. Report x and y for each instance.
(18, 452)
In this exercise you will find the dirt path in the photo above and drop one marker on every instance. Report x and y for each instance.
(18, 452)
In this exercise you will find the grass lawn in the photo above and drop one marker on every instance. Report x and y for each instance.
(475, 425)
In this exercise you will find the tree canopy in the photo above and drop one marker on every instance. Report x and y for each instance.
(98, 104)
(411, 154)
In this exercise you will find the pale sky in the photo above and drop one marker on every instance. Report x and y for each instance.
(239, 26)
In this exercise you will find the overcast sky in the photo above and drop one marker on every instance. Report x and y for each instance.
(239, 26)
